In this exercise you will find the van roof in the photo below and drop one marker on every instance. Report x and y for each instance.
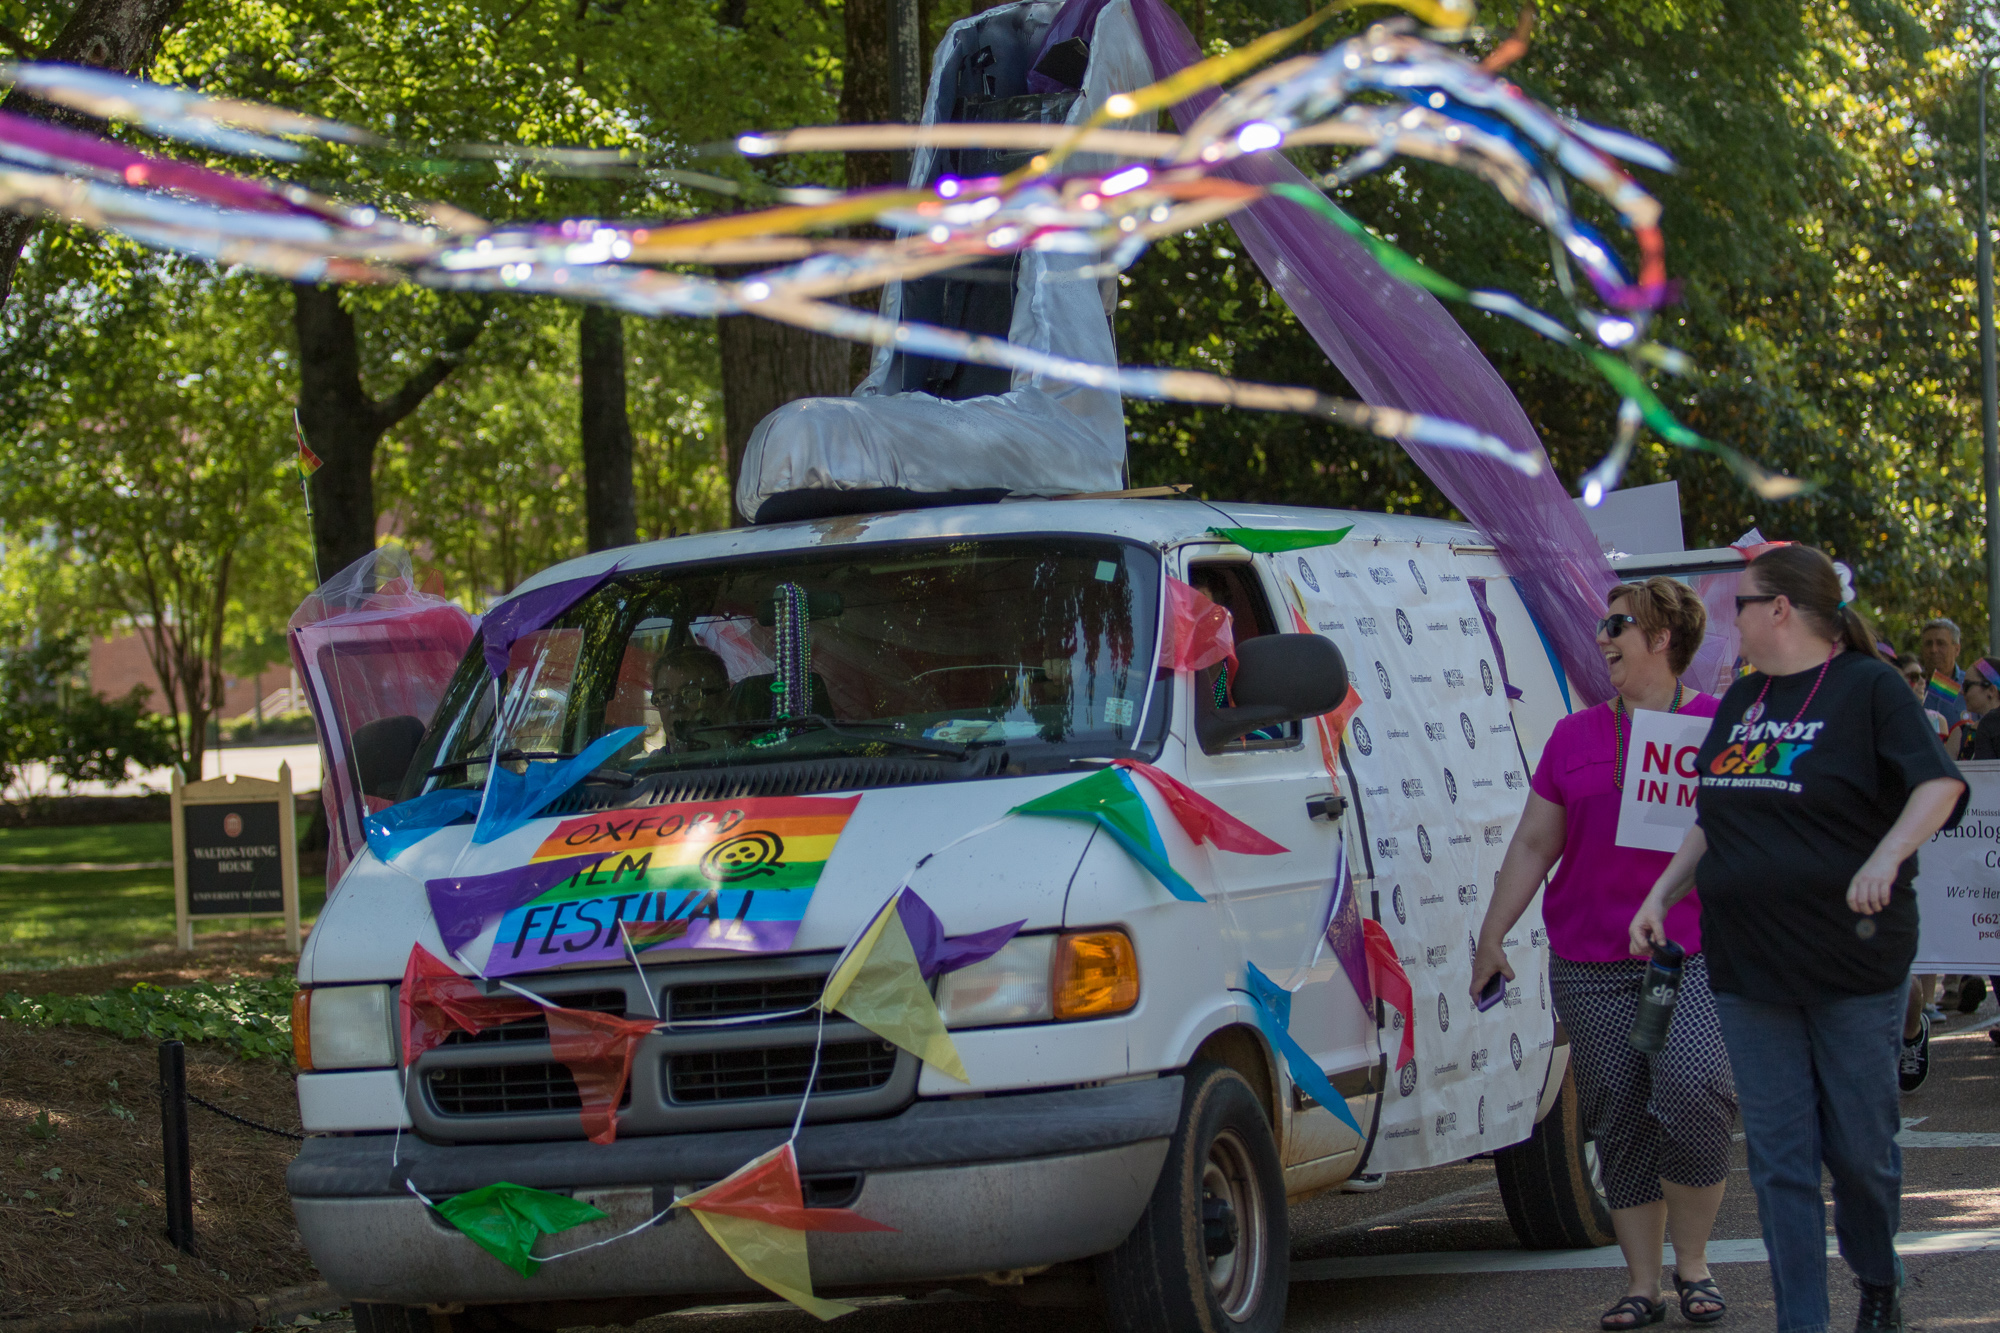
(1157, 522)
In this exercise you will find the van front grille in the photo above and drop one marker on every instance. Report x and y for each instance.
(738, 999)
(778, 1071)
(537, 1028)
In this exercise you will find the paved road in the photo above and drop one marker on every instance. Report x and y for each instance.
(1352, 1252)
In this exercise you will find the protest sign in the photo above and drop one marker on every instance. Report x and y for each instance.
(1657, 808)
(1958, 884)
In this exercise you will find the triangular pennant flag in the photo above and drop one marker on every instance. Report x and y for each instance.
(1266, 542)
(404, 825)
(1108, 799)
(880, 985)
(1199, 633)
(937, 952)
(1273, 1004)
(463, 904)
(757, 1214)
(767, 1189)
(1202, 819)
(1391, 983)
(436, 1002)
(597, 1050)
(506, 1220)
(512, 799)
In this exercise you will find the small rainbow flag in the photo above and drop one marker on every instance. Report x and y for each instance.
(1944, 685)
(309, 462)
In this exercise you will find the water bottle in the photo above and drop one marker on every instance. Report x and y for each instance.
(1657, 993)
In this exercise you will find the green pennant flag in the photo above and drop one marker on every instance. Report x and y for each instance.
(506, 1220)
(1265, 542)
(1108, 799)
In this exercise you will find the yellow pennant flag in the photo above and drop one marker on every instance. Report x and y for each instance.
(881, 986)
(772, 1256)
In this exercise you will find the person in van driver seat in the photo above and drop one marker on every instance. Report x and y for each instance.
(690, 689)
(1662, 1123)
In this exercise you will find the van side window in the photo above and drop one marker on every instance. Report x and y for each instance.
(1234, 586)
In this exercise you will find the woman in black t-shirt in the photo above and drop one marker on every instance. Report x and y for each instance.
(1820, 778)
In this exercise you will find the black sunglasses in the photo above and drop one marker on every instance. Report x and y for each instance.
(1614, 624)
(1743, 601)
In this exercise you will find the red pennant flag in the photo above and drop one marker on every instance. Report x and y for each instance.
(768, 1190)
(1199, 633)
(598, 1049)
(1387, 979)
(436, 1002)
(1204, 820)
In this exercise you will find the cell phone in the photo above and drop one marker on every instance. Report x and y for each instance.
(1490, 994)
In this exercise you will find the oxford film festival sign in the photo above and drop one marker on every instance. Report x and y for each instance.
(235, 852)
(1958, 884)
(1657, 807)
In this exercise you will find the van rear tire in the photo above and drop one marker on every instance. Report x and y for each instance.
(1212, 1252)
(1551, 1183)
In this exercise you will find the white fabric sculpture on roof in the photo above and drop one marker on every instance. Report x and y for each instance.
(921, 431)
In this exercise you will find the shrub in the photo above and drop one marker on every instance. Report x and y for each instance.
(46, 718)
(252, 1016)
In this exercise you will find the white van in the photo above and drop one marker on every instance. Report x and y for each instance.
(1127, 1125)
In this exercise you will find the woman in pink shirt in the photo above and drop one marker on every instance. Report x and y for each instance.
(1661, 1123)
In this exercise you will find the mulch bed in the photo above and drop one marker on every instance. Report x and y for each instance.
(217, 957)
(81, 1197)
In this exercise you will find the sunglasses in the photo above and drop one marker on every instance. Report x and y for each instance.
(1615, 624)
(1743, 601)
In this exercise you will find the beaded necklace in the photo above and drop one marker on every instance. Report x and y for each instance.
(1756, 708)
(1618, 734)
(791, 677)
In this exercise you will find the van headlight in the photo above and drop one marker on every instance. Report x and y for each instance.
(343, 1027)
(1040, 978)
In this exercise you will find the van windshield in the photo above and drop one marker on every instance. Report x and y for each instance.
(1042, 647)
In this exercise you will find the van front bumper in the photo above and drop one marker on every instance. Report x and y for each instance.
(972, 1186)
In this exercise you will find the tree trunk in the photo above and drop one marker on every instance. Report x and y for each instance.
(766, 365)
(343, 423)
(109, 34)
(610, 516)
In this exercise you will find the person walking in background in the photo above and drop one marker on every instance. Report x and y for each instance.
(1982, 696)
(1819, 781)
(1918, 679)
(1938, 647)
(1661, 1123)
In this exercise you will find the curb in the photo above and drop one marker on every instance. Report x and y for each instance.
(219, 1317)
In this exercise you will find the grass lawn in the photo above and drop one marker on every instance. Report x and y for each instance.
(75, 918)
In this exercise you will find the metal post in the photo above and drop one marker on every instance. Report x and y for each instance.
(1989, 426)
(906, 73)
(174, 1142)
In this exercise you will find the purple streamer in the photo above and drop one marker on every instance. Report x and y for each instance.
(462, 905)
(1492, 624)
(518, 617)
(1400, 349)
(41, 139)
(1077, 19)
(936, 953)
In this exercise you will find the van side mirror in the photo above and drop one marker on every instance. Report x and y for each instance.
(382, 752)
(1279, 678)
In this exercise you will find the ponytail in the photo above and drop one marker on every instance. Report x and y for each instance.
(1821, 591)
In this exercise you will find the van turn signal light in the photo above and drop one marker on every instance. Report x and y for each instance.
(302, 1045)
(1096, 973)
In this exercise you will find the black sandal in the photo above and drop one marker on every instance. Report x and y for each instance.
(1643, 1312)
(1701, 1289)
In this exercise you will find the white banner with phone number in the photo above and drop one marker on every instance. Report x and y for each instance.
(1958, 884)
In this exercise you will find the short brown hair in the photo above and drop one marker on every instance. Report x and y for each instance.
(1664, 604)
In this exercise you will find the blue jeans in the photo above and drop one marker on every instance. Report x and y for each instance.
(1821, 1087)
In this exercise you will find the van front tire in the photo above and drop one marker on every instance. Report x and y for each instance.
(1212, 1252)
(1551, 1184)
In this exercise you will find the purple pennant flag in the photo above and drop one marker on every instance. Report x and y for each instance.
(937, 954)
(462, 906)
(521, 616)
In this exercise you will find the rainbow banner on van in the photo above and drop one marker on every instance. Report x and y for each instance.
(705, 875)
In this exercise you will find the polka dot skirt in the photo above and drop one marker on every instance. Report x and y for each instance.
(1666, 1116)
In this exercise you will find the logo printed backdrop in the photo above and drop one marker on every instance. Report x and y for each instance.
(1441, 784)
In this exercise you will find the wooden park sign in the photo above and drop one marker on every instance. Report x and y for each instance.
(235, 852)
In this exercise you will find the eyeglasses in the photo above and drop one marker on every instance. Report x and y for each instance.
(1743, 601)
(1614, 625)
(687, 696)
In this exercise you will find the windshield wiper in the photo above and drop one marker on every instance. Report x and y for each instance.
(819, 722)
(505, 756)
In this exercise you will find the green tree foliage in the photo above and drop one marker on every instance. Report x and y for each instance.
(150, 448)
(1820, 223)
